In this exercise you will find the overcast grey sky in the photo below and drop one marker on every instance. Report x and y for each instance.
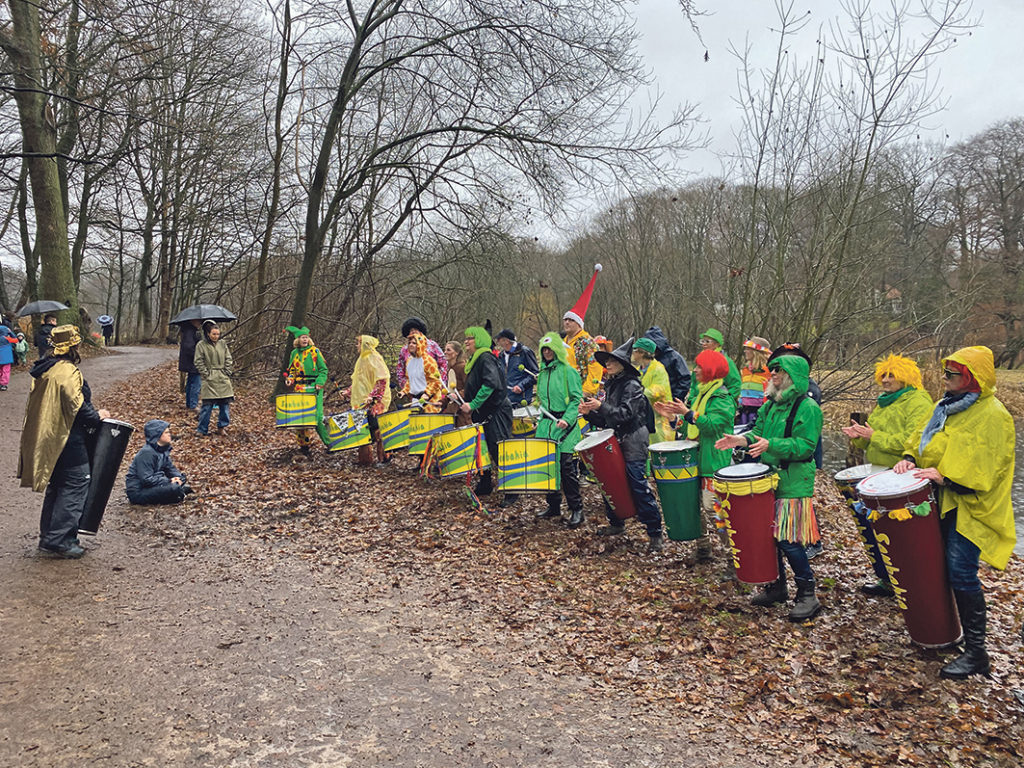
(980, 76)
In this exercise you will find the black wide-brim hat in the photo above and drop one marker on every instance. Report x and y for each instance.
(620, 354)
(789, 348)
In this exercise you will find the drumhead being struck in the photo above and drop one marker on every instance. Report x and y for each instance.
(669, 446)
(858, 472)
(888, 484)
(743, 472)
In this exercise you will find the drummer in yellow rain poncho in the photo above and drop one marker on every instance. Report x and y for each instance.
(657, 388)
(370, 390)
(967, 450)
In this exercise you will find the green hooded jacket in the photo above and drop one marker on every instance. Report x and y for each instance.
(717, 420)
(893, 424)
(560, 391)
(796, 478)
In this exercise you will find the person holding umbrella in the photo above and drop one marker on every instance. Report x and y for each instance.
(106, 328)
(190, 322)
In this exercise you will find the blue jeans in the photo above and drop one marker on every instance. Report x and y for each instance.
(860, 512)
(643, 499)
(192, 383)
(63, 505)
(797, 557)
(961, 557)
(223, 415)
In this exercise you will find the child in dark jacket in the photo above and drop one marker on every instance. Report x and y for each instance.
(152, 477)
(625, 410)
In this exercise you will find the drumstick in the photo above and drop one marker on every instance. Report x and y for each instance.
(555, 419)
(523, 369)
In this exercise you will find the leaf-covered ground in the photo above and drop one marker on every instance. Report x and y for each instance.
(657, 628)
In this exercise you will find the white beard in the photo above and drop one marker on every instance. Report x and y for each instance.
(772, 393)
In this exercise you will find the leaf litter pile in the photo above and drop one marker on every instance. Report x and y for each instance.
(660, 629)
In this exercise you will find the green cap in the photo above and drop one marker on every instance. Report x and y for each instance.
(714, 334)
(646, 345)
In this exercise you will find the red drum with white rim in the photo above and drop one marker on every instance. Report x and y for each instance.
(906, 524)
(747, 492)
(601, 452)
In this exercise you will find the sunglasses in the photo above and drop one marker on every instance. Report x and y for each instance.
(948, 374)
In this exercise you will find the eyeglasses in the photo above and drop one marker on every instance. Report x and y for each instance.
(947, 374)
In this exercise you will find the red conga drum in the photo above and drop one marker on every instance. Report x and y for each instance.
(906, 524)
(747, 492)
(601, 452)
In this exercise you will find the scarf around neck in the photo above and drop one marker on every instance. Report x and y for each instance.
(947, 406)
(888, 398)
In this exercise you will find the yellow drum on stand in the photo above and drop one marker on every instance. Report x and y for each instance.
(295, 410)
(423, 426)
(528, 465)
(460, 451)
(394, 429)
(347, 430)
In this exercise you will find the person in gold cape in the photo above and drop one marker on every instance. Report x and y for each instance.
(53, 456)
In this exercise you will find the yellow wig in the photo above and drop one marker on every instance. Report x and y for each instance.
(903, 369)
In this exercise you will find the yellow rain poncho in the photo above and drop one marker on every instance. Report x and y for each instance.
(975, 449)
(658, 390)
(369, 371)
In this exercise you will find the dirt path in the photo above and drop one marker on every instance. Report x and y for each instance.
(153, 650)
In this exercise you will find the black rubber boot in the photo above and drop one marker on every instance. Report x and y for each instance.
(806, 605)
(554, 507)
(484, 486)
(878, 588)
(974, 659)
(575, 518)
(770, 594)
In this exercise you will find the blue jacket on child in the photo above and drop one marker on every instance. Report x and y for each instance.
(152, 466)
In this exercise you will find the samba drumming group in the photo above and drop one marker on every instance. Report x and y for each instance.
(733, 453)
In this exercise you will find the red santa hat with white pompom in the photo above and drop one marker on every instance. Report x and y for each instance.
(579, 309)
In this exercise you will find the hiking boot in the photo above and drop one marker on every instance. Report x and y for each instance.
(770, 594)
(703, 550)
(70, 552)
(611, 530)
(806, 605)
(813, 550)
(877, 589)
(575, 519)
(656, 544)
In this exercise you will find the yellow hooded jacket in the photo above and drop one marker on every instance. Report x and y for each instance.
(975, 449)
(370, 369)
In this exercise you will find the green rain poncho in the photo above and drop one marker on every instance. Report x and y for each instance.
(796, 479)
(560, 391)
(975, 449)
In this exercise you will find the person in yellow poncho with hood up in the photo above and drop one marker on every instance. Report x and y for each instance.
(370, 390)
(967, 450)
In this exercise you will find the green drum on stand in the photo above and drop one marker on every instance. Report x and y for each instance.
(676, 474)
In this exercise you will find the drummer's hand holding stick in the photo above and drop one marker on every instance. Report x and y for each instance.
(590, 404)
(560, 423)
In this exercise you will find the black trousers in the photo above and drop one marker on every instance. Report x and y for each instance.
(570, 484)
(158, 494)
(63, 505)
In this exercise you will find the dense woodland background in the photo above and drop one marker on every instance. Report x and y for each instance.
(345, 165)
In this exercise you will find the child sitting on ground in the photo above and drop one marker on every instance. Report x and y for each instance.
(152, 477)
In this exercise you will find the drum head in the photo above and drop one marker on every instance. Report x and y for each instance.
(674, 445)
(888, 484)
(116, 423)
(594, 439)
(739, 472)
(859, 472)
(528, 412)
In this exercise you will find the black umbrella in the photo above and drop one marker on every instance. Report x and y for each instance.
(203, 312)
(41, 307)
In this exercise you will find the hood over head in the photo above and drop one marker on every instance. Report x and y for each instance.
(797, 369)
(980, 362)
(655, 334)
(153, 429)
(551, 340)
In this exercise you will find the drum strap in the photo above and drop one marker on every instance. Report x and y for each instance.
(788, 432)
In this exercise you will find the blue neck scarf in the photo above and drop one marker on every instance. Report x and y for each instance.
(948, 405)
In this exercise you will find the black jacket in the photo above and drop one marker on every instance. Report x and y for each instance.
(42, 340)
(487, 370)
(187, 349)
(625, 410)
(675, 365)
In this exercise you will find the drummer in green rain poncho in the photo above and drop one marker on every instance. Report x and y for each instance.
(559, 392)
(903, 406)
(711, 417)
(967, 450)
(307, 373)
